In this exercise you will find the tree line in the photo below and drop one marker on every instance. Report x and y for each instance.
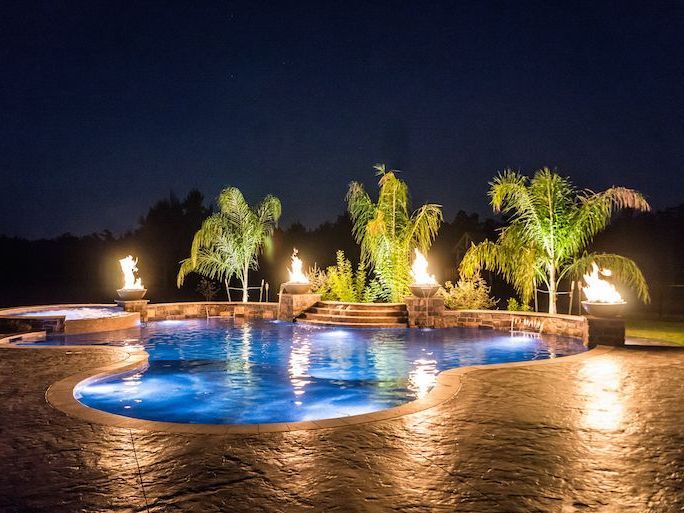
(85, 269)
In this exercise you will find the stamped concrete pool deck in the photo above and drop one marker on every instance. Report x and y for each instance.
(602, 433)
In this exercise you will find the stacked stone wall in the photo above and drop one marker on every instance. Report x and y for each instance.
(198, 310)
(291, 305)
(431, 313)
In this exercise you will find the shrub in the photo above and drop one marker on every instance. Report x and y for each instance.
(339, 282)
(514, 306)
(318, 280)
(375, 292)
(467, 294)
(207, 288)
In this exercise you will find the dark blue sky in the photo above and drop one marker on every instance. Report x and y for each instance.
(106, 107)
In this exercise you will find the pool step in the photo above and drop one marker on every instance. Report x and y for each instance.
(23, 336)
(363, 306)
(353, 325)
(370, 315)
(354, 312)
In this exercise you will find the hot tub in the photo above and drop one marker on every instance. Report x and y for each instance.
(69, 319)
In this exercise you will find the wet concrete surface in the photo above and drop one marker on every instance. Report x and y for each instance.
(604, 434)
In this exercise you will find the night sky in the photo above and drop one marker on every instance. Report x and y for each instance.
(106, 107)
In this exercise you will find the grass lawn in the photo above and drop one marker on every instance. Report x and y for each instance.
(662, 330)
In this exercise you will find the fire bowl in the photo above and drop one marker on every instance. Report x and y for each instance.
(296, 288)
(131, 294)
(604, 309)
(424, 290)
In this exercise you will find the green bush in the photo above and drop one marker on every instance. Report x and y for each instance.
(375, 292)
(318, 280)
(514, 305)
(340, 282)
(468, 294)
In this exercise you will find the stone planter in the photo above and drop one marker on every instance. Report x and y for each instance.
(604, 309)
(131, 294)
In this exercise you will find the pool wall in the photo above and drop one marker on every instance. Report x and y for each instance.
(431, 313)
(423, 313)
(13, 322)
(203, 309)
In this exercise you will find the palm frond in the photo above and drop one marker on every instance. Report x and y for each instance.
(269, 211)
(594, 213)
(517, 265)
(424, 225)
(209, 264)
(361, 209)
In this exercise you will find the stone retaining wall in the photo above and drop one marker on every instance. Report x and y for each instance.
(291, 305)
(431, 313)
(202, 309)
(565, 325)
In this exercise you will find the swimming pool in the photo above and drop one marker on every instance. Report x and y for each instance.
(219, 371)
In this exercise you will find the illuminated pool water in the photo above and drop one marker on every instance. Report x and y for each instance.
(224, 372)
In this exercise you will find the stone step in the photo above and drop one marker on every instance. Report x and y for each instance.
(357, 315)
(362, 306)
(356, 312)
(354, 319)
(352, 325)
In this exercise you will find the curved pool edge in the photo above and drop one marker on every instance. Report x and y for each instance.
(60, 395)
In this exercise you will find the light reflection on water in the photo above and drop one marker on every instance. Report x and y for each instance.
(218, 371)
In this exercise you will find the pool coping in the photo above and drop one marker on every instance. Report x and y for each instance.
(60, 395)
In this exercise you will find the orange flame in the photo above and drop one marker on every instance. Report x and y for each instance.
(296, 273)
(419, 271)
(129, 266)
(598, 290)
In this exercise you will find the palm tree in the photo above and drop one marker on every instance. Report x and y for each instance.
(388, 231)
(552, 223)
(230, 240)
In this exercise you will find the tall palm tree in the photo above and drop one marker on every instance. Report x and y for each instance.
(552, 223)
(230, 240)
(388, 231)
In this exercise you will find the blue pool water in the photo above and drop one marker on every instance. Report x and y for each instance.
(230, 372)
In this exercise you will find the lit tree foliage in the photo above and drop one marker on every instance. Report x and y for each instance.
(388, 232)
(552, 223)
(230, 240)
